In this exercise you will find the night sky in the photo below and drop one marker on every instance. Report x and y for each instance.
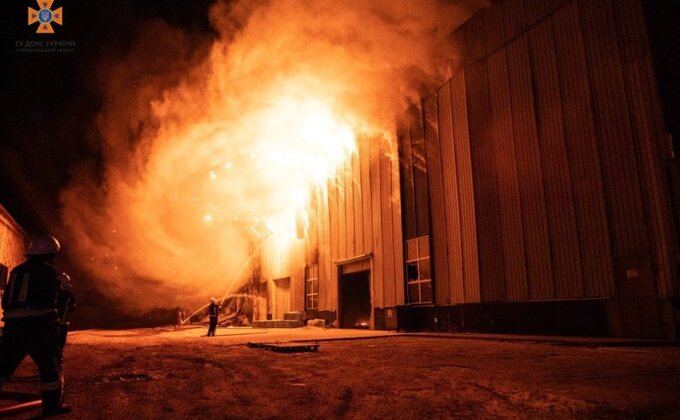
(50, 100)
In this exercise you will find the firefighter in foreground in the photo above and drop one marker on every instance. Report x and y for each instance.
(213, 311)
(66, 304)
(31, 324)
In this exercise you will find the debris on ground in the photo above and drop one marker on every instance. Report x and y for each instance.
(285, 347)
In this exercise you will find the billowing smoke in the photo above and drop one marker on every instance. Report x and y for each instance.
(208, 143)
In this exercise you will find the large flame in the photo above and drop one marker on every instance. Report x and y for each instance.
(204, 148)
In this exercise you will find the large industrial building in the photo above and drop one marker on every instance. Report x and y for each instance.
(534, 192)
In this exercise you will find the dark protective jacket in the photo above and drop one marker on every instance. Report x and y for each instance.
(213, 309)
(31, 291)
(66, 304)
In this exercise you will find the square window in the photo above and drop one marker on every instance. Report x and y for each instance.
(413, 293)
(426, 291)
(412, 271)
(424, 269)
(312, 286)
(411, 249)
(424, 246)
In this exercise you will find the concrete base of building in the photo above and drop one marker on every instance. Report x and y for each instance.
(586, 318)
(278, 323)
(580, 318)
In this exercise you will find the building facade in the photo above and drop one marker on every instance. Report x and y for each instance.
(534, 192)
(12, 247)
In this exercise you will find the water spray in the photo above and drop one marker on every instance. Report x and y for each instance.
(228, 293)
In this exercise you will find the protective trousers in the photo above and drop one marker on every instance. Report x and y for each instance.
(39, 339)
(212, 326)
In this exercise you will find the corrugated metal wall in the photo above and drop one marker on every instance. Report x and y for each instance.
(279, 263)
(556, 107)
(648, 134)
(12, 246)
(542, 162)
(361, 215)
(12, 241)
(388, 260)
(449, 172)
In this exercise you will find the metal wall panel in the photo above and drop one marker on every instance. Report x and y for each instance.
(366, 201)
(494, 27)
(397, 237)
(647, 123)
(359, 216)
(621, 177)
(552, 186)
(484, 174)
(451, 200)
(297, 278)
(279, 263)
(535, 11)
(407, 180)
(472, 36)
(512, 239)
(439, 252)
(639, 74)
(514, 17)
(418, 159)
(498, 23)
(12, 245)
(12, 241)
(466, 194)
(389, 263)
(566, 255)
(530, 172)
(340, 252)
(346, 198)
(328, 290)
(325, 258)
(584, 156)
(631, 30)
(378, 274)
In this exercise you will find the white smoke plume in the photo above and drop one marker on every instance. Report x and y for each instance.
(204, 140)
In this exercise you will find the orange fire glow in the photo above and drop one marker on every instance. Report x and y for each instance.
(204, 148)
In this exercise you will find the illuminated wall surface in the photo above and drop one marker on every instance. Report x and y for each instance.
(553, 130)
(535, 174)
(12, 247)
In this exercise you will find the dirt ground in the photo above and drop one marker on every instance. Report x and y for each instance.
(161, 373)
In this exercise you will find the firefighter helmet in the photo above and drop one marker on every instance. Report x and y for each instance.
(64, 281)
(212, 300)
(43, 245)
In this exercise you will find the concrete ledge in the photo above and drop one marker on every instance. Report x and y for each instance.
(278, 323)
(554, 340)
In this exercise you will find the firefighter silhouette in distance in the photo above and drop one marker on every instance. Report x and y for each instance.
(66, 304)
(213, 311)
(31, 322)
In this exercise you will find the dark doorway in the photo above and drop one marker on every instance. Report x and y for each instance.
(355, 300)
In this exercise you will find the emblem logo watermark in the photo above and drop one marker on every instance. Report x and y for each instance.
(51, 46)
(45, 18)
